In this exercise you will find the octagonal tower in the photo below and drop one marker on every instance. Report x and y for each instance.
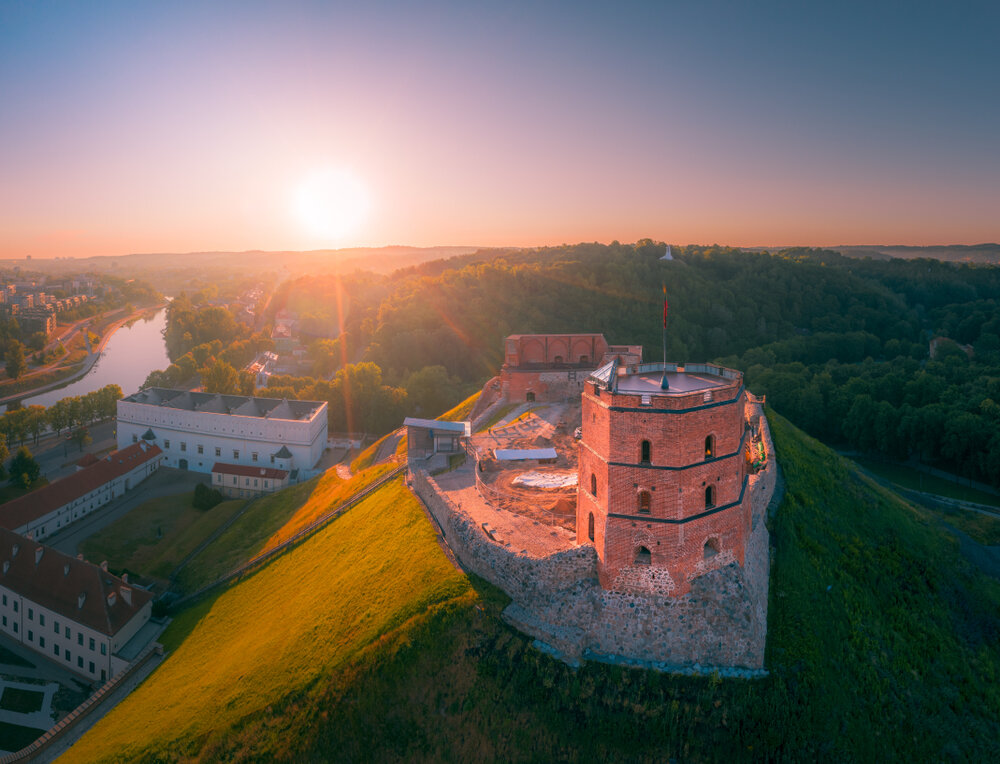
(662, 491)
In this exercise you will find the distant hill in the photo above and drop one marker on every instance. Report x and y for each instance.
(289, 262)
(956, 253)
(365, 644)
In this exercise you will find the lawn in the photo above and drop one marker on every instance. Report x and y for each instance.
(269, 521)
(363, 644)
(461, 412)
(499, 414)
(154, 537)
(247, 667)
(14, 737)
(21, 701)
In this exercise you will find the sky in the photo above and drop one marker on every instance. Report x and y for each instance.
(197, 126)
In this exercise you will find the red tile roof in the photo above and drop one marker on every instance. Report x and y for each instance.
(245, 470)
(56, 581)
(23, 510)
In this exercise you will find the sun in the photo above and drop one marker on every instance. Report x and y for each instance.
(330, 203)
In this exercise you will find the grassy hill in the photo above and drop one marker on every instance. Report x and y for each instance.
(364, 644)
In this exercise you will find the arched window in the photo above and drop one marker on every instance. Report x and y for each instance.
(644, 502)
(558, 359)
(593, 484)
(644, 457)
(643, 556)
(583, 359)
(709, 447)
(590, 526)
(710, 496)
(711, 548)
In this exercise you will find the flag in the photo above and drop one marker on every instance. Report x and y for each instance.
(664, 306)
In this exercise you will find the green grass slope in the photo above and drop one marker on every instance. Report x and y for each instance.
(883, 644)
(245, 666)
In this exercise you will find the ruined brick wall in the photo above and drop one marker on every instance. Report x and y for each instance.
(551, 349)
(526, 579)
(546, 385)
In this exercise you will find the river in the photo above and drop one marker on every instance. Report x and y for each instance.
(128, 357)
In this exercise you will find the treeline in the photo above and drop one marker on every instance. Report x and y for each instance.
(189, 326)
(840, 345)
(66, 414)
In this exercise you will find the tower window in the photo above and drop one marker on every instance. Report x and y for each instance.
(643, 556)
(530, 397)
(590, 526)
(709, 447)
(646, 449)
(583, 359)
(711, 548)
(710, 496)
(558, 359)
(644, 502)
(593, 484)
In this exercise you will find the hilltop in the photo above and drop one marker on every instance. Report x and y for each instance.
(364, 643)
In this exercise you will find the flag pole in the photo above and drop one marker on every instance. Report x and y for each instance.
(664, 384)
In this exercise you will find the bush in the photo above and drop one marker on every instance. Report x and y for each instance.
(204, 497)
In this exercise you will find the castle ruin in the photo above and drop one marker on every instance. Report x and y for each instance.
(658, 555)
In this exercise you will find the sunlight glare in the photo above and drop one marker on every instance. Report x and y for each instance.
(331, 203)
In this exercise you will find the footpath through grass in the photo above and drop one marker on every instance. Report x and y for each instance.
(249, 667)
(154, 537)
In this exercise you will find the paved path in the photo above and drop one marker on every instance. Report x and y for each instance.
(166, 481)
(388, 447)
(121, 692)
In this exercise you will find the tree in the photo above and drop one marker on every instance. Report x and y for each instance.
(220, 377)
(4, 453)
(205, 497)
(15, 359)
(81, 437)
(24, 470)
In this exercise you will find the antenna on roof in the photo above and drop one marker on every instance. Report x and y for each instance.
(664, 384)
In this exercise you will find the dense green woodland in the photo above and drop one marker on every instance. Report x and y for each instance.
(840, 345)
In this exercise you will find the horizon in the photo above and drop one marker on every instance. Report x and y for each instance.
(305, 127)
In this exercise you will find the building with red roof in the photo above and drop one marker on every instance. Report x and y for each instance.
(41, 513)
(70, 611)
(243, 481)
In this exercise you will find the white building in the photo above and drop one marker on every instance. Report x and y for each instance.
(68, 610)
(47, 510)
(196, 430)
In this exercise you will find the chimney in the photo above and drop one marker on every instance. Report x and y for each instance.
(112, 598)
(80, 599)
(38, 554)
(124, 578)
(104, 565)
(126, 595)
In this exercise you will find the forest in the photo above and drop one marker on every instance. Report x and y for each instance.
(840, 345)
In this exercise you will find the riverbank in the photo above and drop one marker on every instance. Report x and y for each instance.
(87, 364)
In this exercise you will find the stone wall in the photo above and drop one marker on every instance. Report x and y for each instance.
(720, 624)
(547, 385)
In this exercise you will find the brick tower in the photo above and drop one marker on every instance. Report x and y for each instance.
(662, 491)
